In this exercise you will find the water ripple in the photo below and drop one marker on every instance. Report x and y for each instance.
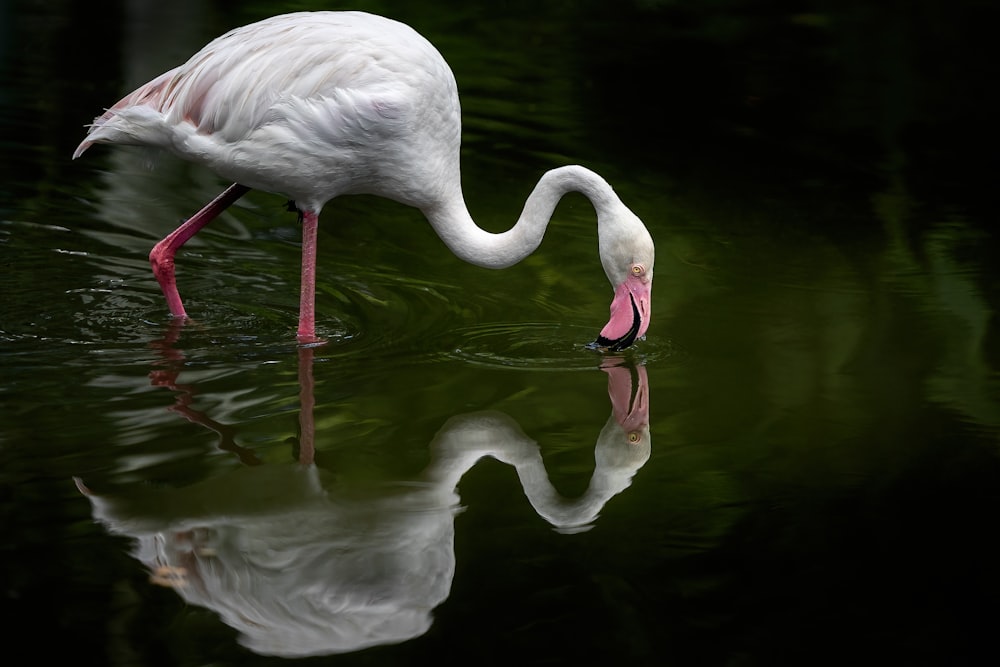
(549, 346)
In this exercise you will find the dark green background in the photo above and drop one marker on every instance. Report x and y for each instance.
(823, 484)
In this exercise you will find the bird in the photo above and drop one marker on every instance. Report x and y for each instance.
(315, 105)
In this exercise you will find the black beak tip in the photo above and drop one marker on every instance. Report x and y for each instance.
(603, 344)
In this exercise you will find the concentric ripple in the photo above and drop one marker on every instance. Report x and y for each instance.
(548, 346)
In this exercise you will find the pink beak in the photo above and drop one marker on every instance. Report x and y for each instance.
(629, 315)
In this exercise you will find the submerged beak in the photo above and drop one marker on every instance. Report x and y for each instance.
(629, 316)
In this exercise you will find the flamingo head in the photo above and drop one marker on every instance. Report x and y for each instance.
(627, 255)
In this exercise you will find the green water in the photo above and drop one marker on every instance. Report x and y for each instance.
(816, 477)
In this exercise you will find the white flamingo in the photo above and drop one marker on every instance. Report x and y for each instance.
(313, 105)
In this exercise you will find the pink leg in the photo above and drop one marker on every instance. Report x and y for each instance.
(307, 297)
(161, 257)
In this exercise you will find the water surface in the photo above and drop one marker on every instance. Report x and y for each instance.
(798, 465)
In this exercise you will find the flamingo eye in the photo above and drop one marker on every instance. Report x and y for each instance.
(638, 270)
(634, 437)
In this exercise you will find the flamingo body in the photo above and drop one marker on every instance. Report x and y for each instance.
(313, 105)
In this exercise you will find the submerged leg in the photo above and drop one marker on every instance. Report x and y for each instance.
(307, 402)
(307, 297)
(161, 257)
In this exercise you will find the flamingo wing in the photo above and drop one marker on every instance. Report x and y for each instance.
(324, 64)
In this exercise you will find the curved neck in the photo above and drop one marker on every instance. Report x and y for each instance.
(453, 223)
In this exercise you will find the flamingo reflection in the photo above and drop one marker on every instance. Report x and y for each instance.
(302, 564)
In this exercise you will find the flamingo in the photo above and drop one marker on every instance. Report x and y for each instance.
(313, 105)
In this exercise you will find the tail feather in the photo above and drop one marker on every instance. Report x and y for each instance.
(133, 119)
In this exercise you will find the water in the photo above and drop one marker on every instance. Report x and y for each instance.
(799, 465)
